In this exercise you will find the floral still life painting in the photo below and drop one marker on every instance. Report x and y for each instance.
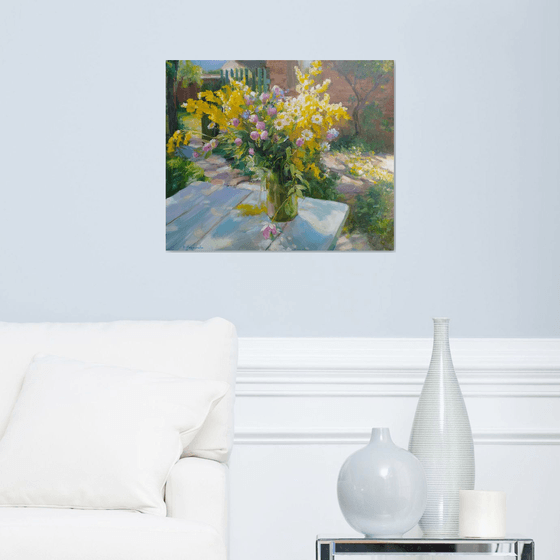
(280, 155)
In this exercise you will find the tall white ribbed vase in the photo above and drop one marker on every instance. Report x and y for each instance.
(441, 439)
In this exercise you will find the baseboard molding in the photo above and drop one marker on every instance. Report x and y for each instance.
(245, 436)
(361, 367)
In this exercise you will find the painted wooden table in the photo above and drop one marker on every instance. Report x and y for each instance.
(204, 217)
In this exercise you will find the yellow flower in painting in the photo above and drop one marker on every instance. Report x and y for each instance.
(190, 105)
(208, 95)
(298, 163)
(323, 87)
(252, 209)
(315, 170)
(316, 68)
(179, 137)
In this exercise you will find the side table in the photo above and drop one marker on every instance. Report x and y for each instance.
(337, 548)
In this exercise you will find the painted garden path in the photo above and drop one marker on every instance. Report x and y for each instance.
(350, 184)
(217, 169)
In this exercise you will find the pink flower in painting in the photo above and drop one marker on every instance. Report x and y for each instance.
(332, 134)
(264, 135)
(271, 111)
(269, 231)
(196, 154)
(265, 97)
(251, 152)
(254, 118)
(254, 135)
(299, 142)
(206, 147)
(235, 122)
(238, 142)
(261, 125)
(248, 100)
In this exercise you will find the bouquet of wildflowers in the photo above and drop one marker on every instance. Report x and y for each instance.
(280, 137)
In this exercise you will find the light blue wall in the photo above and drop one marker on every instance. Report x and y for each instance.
(478, 167)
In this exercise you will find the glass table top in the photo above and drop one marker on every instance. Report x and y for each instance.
(329, 548)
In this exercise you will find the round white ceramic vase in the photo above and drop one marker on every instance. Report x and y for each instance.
(441, 438)
(382, 488)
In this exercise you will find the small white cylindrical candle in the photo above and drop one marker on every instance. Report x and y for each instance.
(482, 514)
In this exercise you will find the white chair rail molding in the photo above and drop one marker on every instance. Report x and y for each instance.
(303, 405)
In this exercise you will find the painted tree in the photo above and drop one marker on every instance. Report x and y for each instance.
(171, 67)
(178, 72)
(365, 77)
(188, 73)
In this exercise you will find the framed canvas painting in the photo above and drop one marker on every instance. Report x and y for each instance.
(280, 155)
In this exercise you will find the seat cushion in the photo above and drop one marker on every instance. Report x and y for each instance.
(67, 534)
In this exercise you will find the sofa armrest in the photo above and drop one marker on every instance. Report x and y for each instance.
(197, 490)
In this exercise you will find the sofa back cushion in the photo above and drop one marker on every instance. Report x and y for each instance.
(204, 350)
(92, 436)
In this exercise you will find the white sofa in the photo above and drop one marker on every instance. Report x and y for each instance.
(196, 494)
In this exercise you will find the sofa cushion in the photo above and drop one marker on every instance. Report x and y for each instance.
(66, 534)
(92, 436)
(203, 349)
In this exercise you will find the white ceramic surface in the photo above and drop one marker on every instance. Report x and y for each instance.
(482, 514)
(382, 488)
(441, 438)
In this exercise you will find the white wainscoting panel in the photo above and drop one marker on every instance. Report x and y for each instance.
(303, 405)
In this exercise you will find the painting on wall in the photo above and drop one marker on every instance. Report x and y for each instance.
(280, 155)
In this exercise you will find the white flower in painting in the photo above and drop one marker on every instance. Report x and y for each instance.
(279, 124)
(307, 134)
(325, 147)
(317, 119)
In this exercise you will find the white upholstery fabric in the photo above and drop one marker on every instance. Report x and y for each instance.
(66, 534)
(186, 348)
(197, 490)
(92, 436)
